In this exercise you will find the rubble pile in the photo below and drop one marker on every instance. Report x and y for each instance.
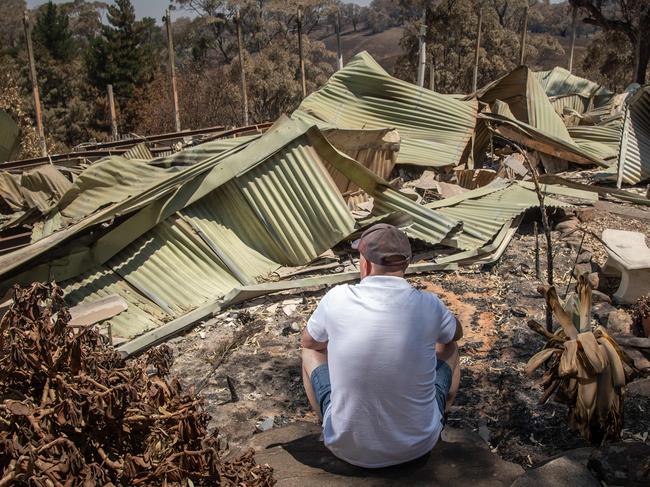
(74, 413)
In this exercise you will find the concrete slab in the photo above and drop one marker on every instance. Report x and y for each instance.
(299, 458)
(629, 255)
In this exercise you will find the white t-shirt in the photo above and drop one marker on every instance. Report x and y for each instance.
(382, 361)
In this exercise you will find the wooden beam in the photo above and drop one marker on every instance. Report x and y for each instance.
(34, 79)
(87, 314)
(478, 49)
(172, 71)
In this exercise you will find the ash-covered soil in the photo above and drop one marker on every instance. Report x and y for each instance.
(257, 347)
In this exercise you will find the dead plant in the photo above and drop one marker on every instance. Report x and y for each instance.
(584, 366)
(72, 412)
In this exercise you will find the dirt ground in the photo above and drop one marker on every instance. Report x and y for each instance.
(257, 347)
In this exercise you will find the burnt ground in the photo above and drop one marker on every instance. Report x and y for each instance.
(257, 347)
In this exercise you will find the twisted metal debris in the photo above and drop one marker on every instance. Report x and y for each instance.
(72, 412)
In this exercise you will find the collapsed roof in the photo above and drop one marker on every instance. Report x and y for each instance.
(172, 234)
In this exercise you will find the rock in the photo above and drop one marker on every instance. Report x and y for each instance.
(594, 280)
(518, 311)
(584, 258)
(295, 327)
(586, 214)
(601, 312)
(567, 226)
(581, 269)
(619, 322)
(266, 424)
(561, 471)
(299, 458)
(600, 297)
(622, 464)
(289, 309)
(639, 388)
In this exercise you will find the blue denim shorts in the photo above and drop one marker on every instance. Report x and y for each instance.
(320, 381)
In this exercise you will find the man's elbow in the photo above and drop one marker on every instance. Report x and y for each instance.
(459, 331)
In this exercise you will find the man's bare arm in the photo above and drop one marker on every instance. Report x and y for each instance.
(307, 341)
(459, 331)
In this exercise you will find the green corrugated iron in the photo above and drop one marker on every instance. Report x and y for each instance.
(634, 154)
(484, 211)
(527, 102)
(568, 90)
(435, 129)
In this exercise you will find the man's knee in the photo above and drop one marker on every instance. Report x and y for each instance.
(448, 353)
(312, 359)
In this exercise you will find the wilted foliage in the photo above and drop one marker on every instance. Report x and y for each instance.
(74, 413)
(584, 367)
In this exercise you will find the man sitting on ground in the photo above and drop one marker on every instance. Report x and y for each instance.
(380, 359)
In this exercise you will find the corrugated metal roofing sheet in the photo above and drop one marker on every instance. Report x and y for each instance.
(172, 269)
(40, 188)
(279, 209)
(601, 141)
(375, 149)
(634, 157)
(427, 225)
(566, 89)
(435, 128)
(484, 211)
(534, 138)
(141, 315)
(138, 151)
(527, 101)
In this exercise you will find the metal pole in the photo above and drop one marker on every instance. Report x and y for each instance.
(432, 73)
(478, 48)
(339, 54)
(538, 267)
(422, 54)
(524, 33)
(172, 70)
(32, 74)
(111, 110)
(573, 38)
(300, 53)
(240, 46)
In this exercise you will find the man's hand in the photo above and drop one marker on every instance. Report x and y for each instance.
(307, 341)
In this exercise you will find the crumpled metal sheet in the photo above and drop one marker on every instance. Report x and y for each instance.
(139, 151)
(375, 149)
(568, 90)
(601, 141)
(40, 188)
(531, 137)
(634, 156)
(484, 211)
(9, 140)
(527, 101)
(172, 269)
(280, 209)
(435, 129)
(141, 315)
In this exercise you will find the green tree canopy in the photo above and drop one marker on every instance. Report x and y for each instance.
(52, 33)
(123, 54)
